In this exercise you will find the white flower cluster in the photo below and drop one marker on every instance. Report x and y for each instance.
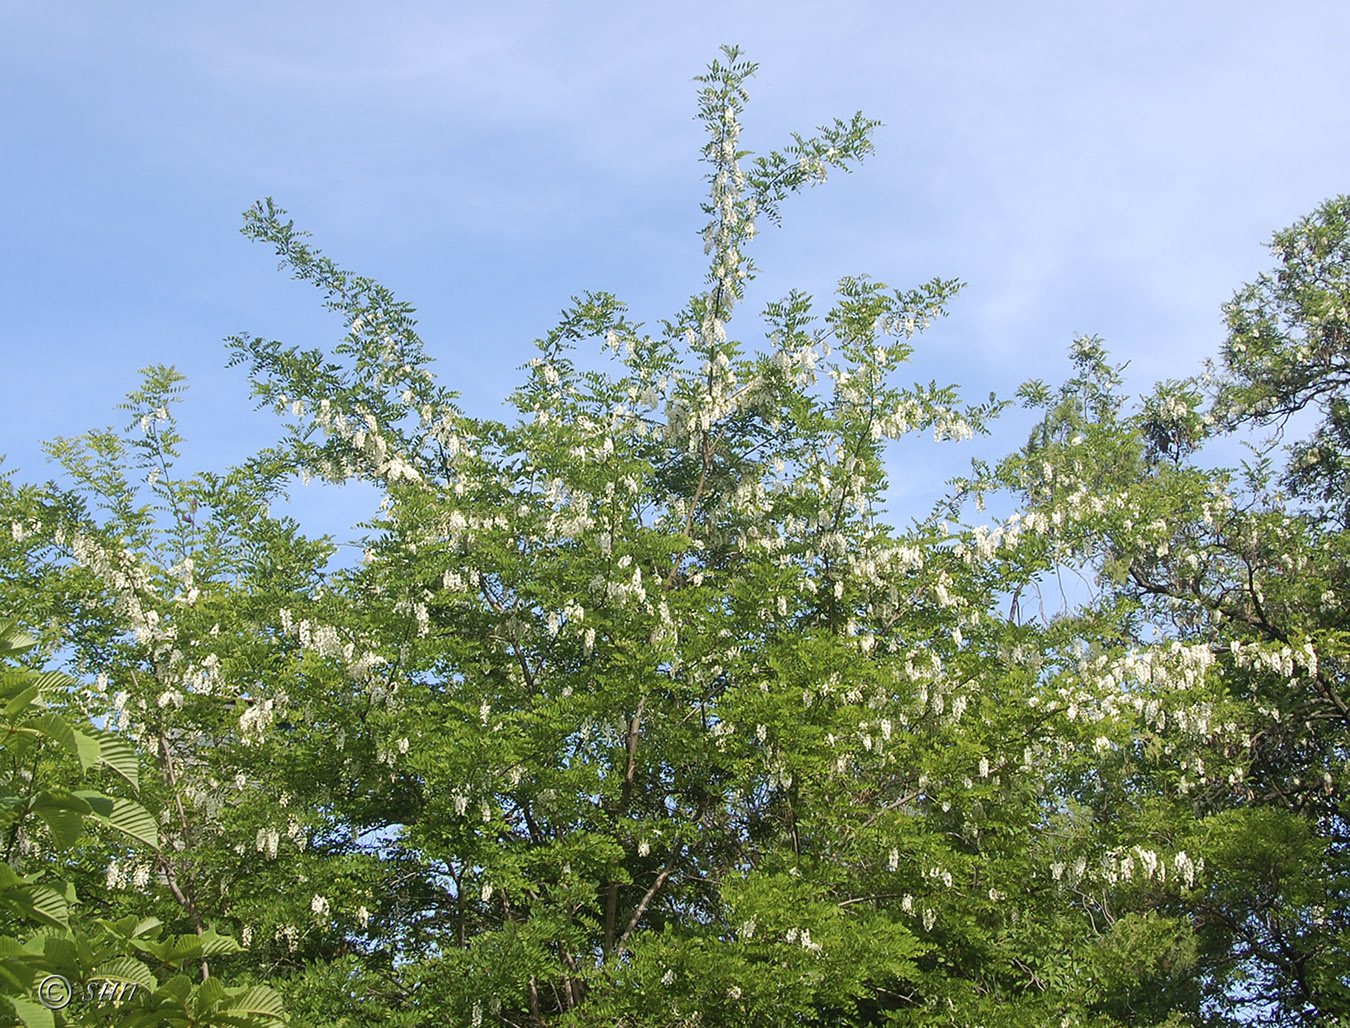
(126, 578)
(719, 731)
(387, 462)
(267, 842)
(797, 366)
(723, 232)
(459, 799)
(420, 615)
(718, 394)
(1277, 659)
(254, 722)
(327, 642)
(628, 590)
(1162, 686)
(388, 753)
(124, 873)
(295, 831)
(802, 936)
(939, 874)
(1125, 865)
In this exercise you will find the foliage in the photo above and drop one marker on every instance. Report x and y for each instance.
(64, 961)
(1236, 585)
(637, 712)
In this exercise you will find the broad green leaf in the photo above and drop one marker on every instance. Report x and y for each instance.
(191, 947)
(52, 681)
(126, 816)
(60, 948)
(145, 924)
(118, 753)
(79, 745)
(61, 799)
(64, 825)
(127, 969)
(13, 642)
(64, 813)
(87, 749)
(21, 701)
(177, 988)
(214, 944)
(43, 902)
(32, 1013)
(209, 993)
(258, 1000)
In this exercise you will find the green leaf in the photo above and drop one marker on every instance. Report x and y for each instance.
(118, 753)
(258, 1000)
(61, 799)
(32, 1013)
(42, 902)
(177, 988)
(189, 947)
(22, 700)
(214, 944)
(127, 969)
(64, 814)
(144, 925)
(132, 927)
(60, 950)
(209, 993)
(81, 746)
(13, 642)
(125, 815)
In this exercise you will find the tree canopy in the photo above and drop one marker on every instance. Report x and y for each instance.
(637, 710)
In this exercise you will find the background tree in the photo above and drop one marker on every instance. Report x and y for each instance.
(1231, 578)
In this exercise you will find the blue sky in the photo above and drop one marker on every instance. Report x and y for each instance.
(1110, 168)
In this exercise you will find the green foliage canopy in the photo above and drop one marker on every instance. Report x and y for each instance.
(637, 711)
